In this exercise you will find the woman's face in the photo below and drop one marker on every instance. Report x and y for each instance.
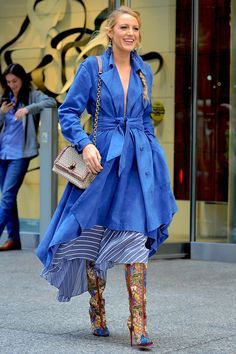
(125, 34)
(14, 82)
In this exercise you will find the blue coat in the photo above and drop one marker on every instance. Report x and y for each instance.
(133, 190)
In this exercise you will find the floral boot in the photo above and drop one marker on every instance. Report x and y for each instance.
(136, 285)
(96, 286)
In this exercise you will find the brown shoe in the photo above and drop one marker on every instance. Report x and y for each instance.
(10, 245)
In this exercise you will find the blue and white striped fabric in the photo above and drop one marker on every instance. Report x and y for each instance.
(103, 246)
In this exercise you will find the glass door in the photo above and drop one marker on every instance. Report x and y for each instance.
(215, 122)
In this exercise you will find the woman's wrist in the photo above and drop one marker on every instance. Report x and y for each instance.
(86, 146)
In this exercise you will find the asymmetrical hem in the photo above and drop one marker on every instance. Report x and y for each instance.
(104, 247)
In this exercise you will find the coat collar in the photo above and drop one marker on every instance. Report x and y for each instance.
(136, 61)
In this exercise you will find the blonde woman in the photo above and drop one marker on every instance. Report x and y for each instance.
(124, 214)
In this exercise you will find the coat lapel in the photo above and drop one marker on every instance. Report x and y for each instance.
(112, 82)
(111, 79)
(134, 92)
(136, 86)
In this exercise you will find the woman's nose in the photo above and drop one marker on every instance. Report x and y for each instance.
(130, 31)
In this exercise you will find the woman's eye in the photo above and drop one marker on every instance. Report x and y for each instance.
(136, 29)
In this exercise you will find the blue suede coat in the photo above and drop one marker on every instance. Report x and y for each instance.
(133, 190)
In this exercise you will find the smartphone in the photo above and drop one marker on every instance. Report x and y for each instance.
(5, 99)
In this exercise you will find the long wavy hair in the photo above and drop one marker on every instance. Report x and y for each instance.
(19, 71)
(100, 40)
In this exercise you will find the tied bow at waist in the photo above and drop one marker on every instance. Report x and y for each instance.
(120, 137)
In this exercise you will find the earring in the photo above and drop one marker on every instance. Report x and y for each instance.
(110, 43)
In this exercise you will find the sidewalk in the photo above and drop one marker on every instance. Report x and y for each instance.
(191, 310)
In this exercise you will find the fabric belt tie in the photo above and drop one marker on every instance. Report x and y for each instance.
(120, 137)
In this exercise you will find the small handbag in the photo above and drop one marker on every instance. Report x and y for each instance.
(69, 163)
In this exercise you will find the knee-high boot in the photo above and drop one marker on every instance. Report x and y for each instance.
(136, 285)
(96, 287)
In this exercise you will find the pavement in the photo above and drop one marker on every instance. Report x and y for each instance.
(191, 310)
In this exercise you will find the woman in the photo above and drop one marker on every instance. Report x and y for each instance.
(122, 217)
(18, 144)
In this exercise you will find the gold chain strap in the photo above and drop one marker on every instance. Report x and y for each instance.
(95, 125)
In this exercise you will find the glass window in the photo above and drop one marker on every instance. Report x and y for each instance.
(213, 121)
(215, 126)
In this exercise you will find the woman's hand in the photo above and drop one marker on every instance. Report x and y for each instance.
(92, 158)
(21, 112)
(6, 107)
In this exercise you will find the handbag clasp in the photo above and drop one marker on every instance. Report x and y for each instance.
(72, 166)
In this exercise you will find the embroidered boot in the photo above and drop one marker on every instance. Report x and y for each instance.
(136, 285)
(96, 286)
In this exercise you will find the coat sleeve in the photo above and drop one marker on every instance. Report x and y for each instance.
(72, 108)
(40, 101)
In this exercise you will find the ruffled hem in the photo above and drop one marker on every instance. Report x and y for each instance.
(104, 247)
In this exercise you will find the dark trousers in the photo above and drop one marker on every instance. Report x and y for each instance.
(12, 173)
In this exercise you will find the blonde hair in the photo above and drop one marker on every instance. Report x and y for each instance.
(101, 39)
(144, 83)
(111, 21)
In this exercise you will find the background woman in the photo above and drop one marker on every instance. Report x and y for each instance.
(18, 144)
(122, 217)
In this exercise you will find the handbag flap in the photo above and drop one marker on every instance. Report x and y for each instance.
(69, 160)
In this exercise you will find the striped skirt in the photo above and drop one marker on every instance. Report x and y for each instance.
(104, 247)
